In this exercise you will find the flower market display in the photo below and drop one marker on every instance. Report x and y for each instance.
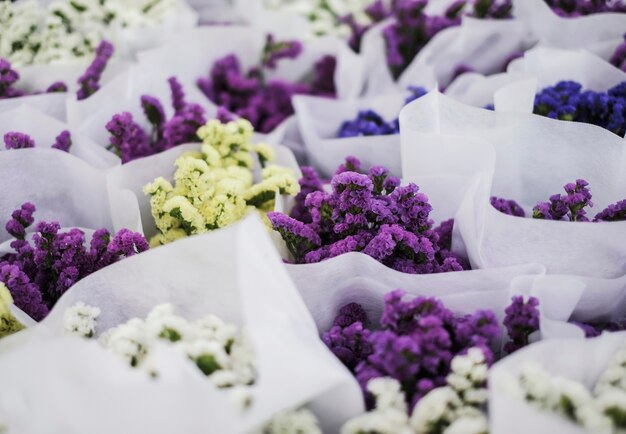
(313, 217)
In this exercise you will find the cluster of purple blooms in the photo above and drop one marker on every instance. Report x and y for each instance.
(264, 102)
(570, 206)
(88, 83)
(567, 101)
(413, 28)
(42, 269)
(618, 58)
(130, 141)
(16, 140)
(370, 123)
(415, 345)
(368, 213)
(575, 8)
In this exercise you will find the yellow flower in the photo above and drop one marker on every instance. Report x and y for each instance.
(265, 152)
(8, 323)
(190, 219)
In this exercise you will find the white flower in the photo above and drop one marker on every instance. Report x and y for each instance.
(612, 405)
(438, 405)
(468, 425)
(536, 382)
(80, 319)
(390, 421)
(301, 421)
(388, 394)
(240, 397)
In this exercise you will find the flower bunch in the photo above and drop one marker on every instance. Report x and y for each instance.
(15, 140)
(521, 320)
(215, 187)
(9, 77)
(130, 141)
(328, 18)
(602, 410)
(265, 103)
(418, 340)
(566, 101)
(413, 28)
(370, 123)
(8, 323)
(369, 213)
(570, 206)
(458, 406)
(219, 349)
(576, 8)
(43, 267)
(88, 83)
(60, 31)
(297, 421)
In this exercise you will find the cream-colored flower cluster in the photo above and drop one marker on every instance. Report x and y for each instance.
(62, 31)
(8, 323)
(215, 187)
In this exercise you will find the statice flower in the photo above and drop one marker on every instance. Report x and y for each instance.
(506, 206)
(612, 213)
(297, 421)
(521, 320)
(457, 407)
(418, 340)
(8, 78)
(15, 140)
(215, 187)
(571, 205)
(264, 102)
(567, 101)
(495, 9)
(80, 319)
(39, 271)
(365, 212)
(89, 82)
(618, 58)
(8, 323)
(575, 8)
(219, 350)
(129, 140)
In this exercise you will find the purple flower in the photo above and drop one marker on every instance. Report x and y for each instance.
(300, 239)
(178, 94)
(15, 140)
(63, 141)
(618, 58)
(153, 110)
(41, 271)
(309, 183)
(574, 8)
(275, 50)
(350, 343)
(572, 205)
(522, 319)
(494, 9)
(349, 314)
(57, 87)
(324, 77)
(444, 233)
(89, 82)
(612, 213)
(8, 77)
(128, 140)
(509, 207)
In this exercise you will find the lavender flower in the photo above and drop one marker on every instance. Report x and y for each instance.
(15, 140)
(38, 272)
(522, 319)
(8, 77)
(570, 205)
(63, 141)
(89, 82)
(368, 213)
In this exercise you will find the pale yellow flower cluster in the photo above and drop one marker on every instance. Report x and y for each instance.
(8, 323)
(216, 187)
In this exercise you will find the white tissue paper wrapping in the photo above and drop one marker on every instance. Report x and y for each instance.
(37, 78)
(130, 207)
(44, 129)
(483, 45)
(233, 273)
(319, 120)
(526, 158)
(61, 186)
(582, 360)
(599, 33)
